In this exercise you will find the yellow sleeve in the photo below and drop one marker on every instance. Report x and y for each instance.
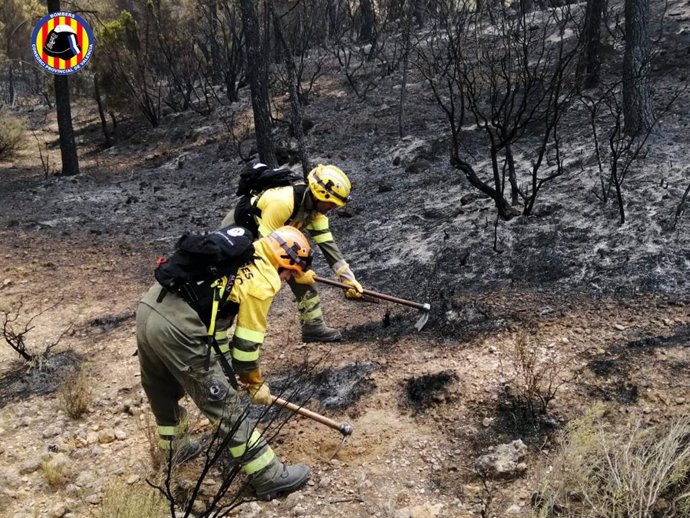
(276, 207)
(321, 234)
(255, 287)
(250, 331)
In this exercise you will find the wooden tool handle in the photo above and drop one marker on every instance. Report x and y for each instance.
(390, 298)
(306, 413)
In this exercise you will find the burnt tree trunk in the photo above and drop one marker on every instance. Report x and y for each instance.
(295, 108)
(366, 33)
(257, 73)
(68, 146)
(589, 66)
(637, 93)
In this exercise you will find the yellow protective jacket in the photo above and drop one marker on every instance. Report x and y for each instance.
(277, 205)
(255, 287)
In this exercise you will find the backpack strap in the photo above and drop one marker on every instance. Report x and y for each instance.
(218, 288)
(299, 190)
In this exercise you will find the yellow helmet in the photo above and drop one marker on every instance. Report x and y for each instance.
(290, 248)
(329, 183)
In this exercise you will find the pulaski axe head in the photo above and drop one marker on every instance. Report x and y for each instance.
(424, 317)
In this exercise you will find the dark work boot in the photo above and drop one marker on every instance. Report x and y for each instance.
(318, 331)
(182, 450)
(271, 483)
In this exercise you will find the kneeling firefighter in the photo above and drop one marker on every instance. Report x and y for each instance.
(272, 198)
(172, 339)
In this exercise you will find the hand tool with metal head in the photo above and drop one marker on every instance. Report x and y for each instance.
(344, 428)
(424, 308)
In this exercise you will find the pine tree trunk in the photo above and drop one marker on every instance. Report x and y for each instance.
(637, 94)
(590, 63)
(68, 146)
(257, 73)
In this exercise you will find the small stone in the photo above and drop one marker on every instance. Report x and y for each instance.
(619, 327)
(50, 431)
(93, 499)
(514, 509)
(132, 479)
(250, 510)
(486, 422)
(58, 511)
(680, 400)
(292, 500)
(106, 436)
(426, 510)
(29, 466)
(120, 435)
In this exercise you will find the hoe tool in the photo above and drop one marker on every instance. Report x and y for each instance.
(344, 428)
(423, 308)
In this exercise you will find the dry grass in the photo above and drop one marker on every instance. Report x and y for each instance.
(75, 393)
(535, 375)
(11, 133)
(638, 472)
(56, 471)
(133, 501)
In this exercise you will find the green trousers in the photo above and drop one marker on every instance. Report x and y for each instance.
(171, 340)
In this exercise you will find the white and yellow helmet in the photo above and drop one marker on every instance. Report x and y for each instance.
(328, 183)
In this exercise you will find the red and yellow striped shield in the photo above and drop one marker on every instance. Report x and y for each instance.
(62, 43)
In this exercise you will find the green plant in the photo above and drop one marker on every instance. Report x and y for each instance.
(132, 501)
(75, 393)
(639, 471)
(11, 132)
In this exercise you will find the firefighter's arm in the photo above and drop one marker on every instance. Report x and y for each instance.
(321, 234)
(250, 330)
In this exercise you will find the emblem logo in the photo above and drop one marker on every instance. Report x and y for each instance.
(237, 231)
(62, 43)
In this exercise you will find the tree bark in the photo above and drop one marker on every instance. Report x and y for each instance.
(368, 21)
(101, 109)
(257, 73)
(295, 109)
(637, 94)
(68, 146)
(590, 63)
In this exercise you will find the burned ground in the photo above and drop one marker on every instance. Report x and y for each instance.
(606, 303)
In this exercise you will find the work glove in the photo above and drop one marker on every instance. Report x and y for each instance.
(260, 395)
(346, 276)
(306, 278)
(253, 383)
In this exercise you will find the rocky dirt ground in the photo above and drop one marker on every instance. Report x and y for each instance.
(604, 306)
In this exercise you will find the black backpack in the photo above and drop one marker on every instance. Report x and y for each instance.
(201, 259)
(259, 179)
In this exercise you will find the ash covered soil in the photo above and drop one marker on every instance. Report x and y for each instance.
(606, 302)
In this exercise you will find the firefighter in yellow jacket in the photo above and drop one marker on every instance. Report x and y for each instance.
(305, 207)
(172, 341)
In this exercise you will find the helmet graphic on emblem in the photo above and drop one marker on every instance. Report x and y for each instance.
(61, 42)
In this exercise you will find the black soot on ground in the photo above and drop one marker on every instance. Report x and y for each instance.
(426, 390)
(332, 388)
(108, 322)
(24, 381)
